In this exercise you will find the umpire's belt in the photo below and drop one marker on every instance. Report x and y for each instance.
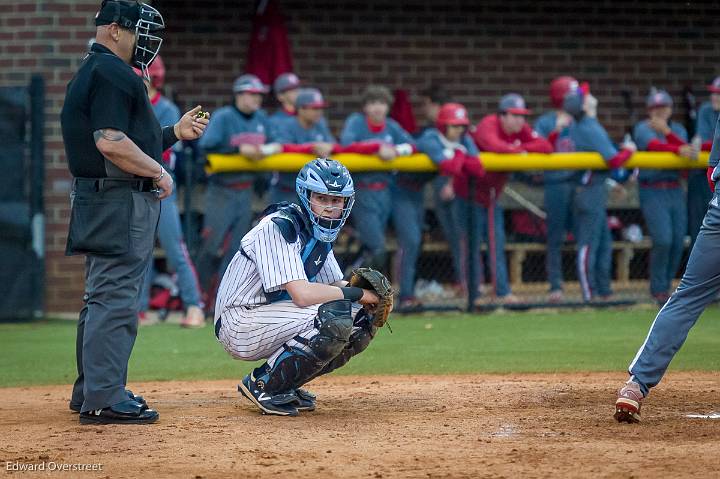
(105, 184)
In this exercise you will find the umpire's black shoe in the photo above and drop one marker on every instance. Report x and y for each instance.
(126, 412)
(138, 399)
(278, 404)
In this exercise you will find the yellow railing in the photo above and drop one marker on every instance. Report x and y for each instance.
(292, 162)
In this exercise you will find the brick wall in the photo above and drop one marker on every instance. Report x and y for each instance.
(477, 49)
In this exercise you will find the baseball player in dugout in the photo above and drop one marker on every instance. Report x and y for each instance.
(286, 88)
(594, 243)
(662, 199)
(243, 128)
(432, 99)
(283, 298)
(698, 287)
(114, 146)
(408, 216)
(305, 132)
(373, 133)
(449, 146)
(559, 185)
(169, 231)
(506, 131)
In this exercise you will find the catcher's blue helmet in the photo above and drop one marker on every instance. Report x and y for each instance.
(329, 177)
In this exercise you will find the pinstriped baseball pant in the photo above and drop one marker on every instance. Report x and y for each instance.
(251, 333)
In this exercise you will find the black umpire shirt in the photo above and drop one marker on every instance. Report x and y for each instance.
(106, 93)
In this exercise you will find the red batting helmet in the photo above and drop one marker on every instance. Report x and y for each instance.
(452, 114)
(559, 87)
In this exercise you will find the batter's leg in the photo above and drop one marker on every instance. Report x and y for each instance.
(698, 287)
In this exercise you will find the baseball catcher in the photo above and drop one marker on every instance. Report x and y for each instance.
(283, 297)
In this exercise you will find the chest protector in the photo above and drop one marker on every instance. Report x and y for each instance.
(293, 224)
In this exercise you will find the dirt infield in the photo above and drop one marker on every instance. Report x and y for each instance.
(380, 427)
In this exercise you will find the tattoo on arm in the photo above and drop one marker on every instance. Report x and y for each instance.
(108, 134)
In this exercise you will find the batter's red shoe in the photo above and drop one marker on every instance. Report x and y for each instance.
(628, 403)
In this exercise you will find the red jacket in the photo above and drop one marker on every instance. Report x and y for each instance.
(489, 136)
(672, 143)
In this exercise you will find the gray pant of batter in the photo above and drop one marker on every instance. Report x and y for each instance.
(698, 287)
(108, 321)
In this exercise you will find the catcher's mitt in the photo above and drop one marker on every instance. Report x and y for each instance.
(368, 278)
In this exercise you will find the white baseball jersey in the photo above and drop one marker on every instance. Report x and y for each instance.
(251, 326)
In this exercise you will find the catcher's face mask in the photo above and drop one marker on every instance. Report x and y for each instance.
(148, 42)
(327, 207)
(331, 179)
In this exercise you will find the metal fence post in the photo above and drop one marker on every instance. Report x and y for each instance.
(473, 247)
(37, 182)
(188, 220)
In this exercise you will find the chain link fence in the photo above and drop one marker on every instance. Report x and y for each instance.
(439, 286)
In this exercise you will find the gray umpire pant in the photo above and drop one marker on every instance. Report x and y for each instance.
(698, 287)
(108, 321)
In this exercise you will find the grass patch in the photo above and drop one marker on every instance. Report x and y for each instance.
(44, 352)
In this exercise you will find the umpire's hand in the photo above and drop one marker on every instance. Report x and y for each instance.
(164, 184)
(192, 124)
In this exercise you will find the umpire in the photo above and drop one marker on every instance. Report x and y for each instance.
(114, 149)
